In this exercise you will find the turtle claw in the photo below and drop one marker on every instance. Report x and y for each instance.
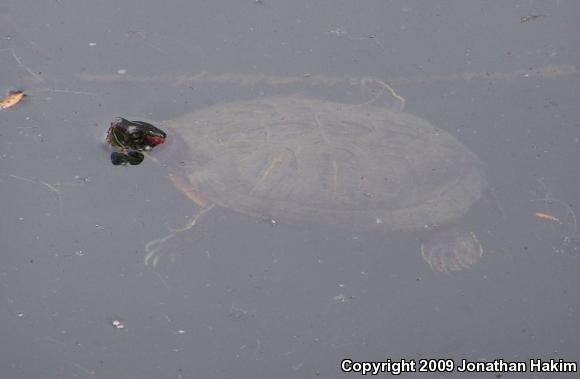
(451, 252)
(153, 250)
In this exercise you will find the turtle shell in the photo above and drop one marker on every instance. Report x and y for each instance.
(305, 160)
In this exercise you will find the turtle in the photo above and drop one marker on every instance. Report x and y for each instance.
(305, 160)
(129, 139)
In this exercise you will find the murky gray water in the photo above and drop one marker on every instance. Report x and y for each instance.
(237, 297)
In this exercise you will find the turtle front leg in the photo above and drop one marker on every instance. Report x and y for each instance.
(189, 190)
(153, 248)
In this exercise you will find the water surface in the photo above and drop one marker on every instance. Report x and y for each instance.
(237, 297)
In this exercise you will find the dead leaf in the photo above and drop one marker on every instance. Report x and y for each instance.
(10, 100)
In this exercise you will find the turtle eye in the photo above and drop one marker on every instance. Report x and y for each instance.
(136, 136)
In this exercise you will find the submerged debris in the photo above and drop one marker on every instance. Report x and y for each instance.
(547, 217)
(118, 324)
(531, 17)
(342, 298)
(564, 222)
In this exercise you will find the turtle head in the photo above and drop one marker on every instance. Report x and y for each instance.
(134, 135)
